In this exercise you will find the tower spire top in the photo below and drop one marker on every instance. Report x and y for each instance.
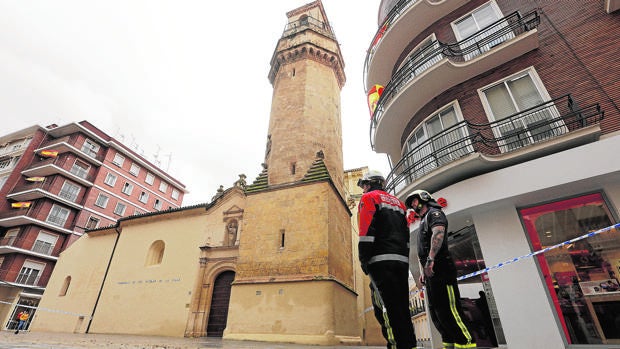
(297, 42)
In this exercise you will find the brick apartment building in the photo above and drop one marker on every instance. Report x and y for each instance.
(509, 110)
(56, 182)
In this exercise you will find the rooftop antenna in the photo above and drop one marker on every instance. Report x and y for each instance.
(156, 157)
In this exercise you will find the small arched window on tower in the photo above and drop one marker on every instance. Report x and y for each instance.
(293, 167)
(156, 253)
(65, 287)
(303, 20)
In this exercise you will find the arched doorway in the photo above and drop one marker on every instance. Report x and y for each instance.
(218, 314)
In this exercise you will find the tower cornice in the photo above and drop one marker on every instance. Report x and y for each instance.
(308, 50)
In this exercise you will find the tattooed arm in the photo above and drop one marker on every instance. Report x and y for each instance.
(439, 232)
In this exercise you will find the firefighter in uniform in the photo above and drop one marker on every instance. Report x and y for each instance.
(439, 272)
(384, 256)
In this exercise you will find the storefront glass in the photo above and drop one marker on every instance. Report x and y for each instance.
(476, 293)
(582, 277)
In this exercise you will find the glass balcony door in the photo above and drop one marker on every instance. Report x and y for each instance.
(516, 95)
(484, 17)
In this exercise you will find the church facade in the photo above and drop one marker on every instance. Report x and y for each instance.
(274, 260)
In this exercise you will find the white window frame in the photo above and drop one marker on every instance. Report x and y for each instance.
(150, 178)
(431, 39)
(120, 208)
(143, 197)
(11, 236)
(459, 36)
(97, 220)
(175, 194)
(455, 106)
(90, 148)
(105, 199)
(3, 180)
(5, 164)
(127, 188)
(45, 243)
(134, 169)
(163, 186)
(80, 169)
(26, 276)
(69, 191)
(58, 212)
(538, 84)
(157, 204)
(118, 160)
(110, 179)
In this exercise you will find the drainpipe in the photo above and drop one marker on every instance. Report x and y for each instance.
(105, 275)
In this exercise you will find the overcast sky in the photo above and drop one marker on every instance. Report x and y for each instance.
(184, 79)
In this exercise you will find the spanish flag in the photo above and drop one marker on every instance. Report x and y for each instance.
(21, 204)
(373, 97)
(35, 179)
(48, 153)
(380, 34)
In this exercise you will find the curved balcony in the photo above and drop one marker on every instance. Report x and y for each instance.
(51, 167)
(438, 67)
(14, 278)
(17, 217)
(406, 20)
(33, 191)
(68, 144)
(467, 149)
(38, 249)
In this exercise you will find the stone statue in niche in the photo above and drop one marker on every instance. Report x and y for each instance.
(231, 229)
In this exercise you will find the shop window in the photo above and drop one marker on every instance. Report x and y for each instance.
(582, 274)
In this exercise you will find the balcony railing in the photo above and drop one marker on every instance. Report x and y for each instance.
(464, 50)
(308, 23)
(537, 124)
(23, 278)
(42, 247)
(39, 246)
(72, 140)
(62, 162)
(391, 17)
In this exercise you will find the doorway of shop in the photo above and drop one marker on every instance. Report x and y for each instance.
(476, 294)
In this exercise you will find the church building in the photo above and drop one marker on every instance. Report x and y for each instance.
(272, 260)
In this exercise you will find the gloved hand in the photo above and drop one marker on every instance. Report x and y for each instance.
(365, 268)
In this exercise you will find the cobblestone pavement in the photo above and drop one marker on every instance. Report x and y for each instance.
(48, 340)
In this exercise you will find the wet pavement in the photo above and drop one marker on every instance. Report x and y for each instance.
(48, 340)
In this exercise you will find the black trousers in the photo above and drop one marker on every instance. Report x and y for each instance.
(390, 301)
(443, 299)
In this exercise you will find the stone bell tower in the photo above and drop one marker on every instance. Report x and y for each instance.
(294, 277)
